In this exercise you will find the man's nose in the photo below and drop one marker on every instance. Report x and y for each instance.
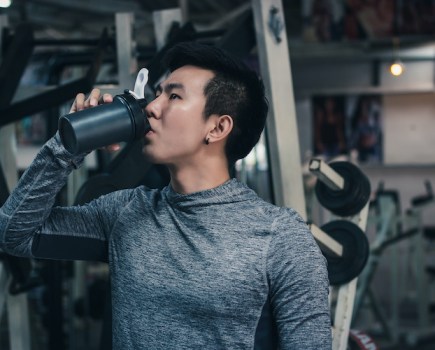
(153, 109)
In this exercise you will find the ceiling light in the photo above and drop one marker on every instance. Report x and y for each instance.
(5, 3)
(396, 68)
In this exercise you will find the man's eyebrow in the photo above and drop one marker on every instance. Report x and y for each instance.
(169, 87)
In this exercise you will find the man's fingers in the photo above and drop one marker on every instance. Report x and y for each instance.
(107, 98)
(78, 103)
(95, 98)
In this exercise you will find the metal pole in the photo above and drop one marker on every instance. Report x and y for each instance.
(8, 141)
(346, 296)
(327, 244)
(282, 127)
(163, 21)
(326, 174)
(184, 7)
(127, 63)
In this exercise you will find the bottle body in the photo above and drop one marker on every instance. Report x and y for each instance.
(122, 120)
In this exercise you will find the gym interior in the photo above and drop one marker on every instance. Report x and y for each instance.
(349, 144)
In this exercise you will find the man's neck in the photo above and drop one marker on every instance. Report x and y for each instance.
(194, 178)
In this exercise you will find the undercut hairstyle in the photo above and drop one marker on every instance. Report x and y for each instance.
(235, 90)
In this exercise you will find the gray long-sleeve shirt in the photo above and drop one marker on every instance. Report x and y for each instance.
(188, 271)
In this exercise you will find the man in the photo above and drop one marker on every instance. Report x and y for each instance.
(193, 265)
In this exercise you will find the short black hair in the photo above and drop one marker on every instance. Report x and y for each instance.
(235, 90)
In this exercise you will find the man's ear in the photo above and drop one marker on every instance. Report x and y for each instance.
(222, 126)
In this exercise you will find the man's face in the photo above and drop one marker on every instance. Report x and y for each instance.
(176, 117)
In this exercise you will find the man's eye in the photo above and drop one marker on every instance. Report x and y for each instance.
(173, 96)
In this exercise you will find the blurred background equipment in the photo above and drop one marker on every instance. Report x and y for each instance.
(326, 65)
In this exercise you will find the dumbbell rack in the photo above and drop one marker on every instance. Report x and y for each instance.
(345, 292)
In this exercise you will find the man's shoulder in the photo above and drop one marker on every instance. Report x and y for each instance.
(278, 215)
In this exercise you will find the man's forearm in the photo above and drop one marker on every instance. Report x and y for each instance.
(31, 201)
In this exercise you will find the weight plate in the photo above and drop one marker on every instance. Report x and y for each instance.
(352, 198)
(355, 251)
(360, 197)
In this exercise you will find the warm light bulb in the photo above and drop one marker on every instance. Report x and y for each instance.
(396, 68)
(5, 3)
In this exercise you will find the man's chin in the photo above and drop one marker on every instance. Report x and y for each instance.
(150, 157)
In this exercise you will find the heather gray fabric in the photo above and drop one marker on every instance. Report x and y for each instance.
(188, 271)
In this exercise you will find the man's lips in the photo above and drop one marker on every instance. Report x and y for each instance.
(148, 126)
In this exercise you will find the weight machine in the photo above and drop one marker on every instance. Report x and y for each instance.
(418, 264)
(393, 227)
(18, 48)
(13, 271)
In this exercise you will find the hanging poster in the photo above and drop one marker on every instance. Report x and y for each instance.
(348, 124)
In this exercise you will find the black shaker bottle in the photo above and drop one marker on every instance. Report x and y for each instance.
(122, 120)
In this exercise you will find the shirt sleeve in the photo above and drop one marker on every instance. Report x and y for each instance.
(299, 286)
(31, 227)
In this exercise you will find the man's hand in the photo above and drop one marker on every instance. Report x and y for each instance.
(95, 98)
